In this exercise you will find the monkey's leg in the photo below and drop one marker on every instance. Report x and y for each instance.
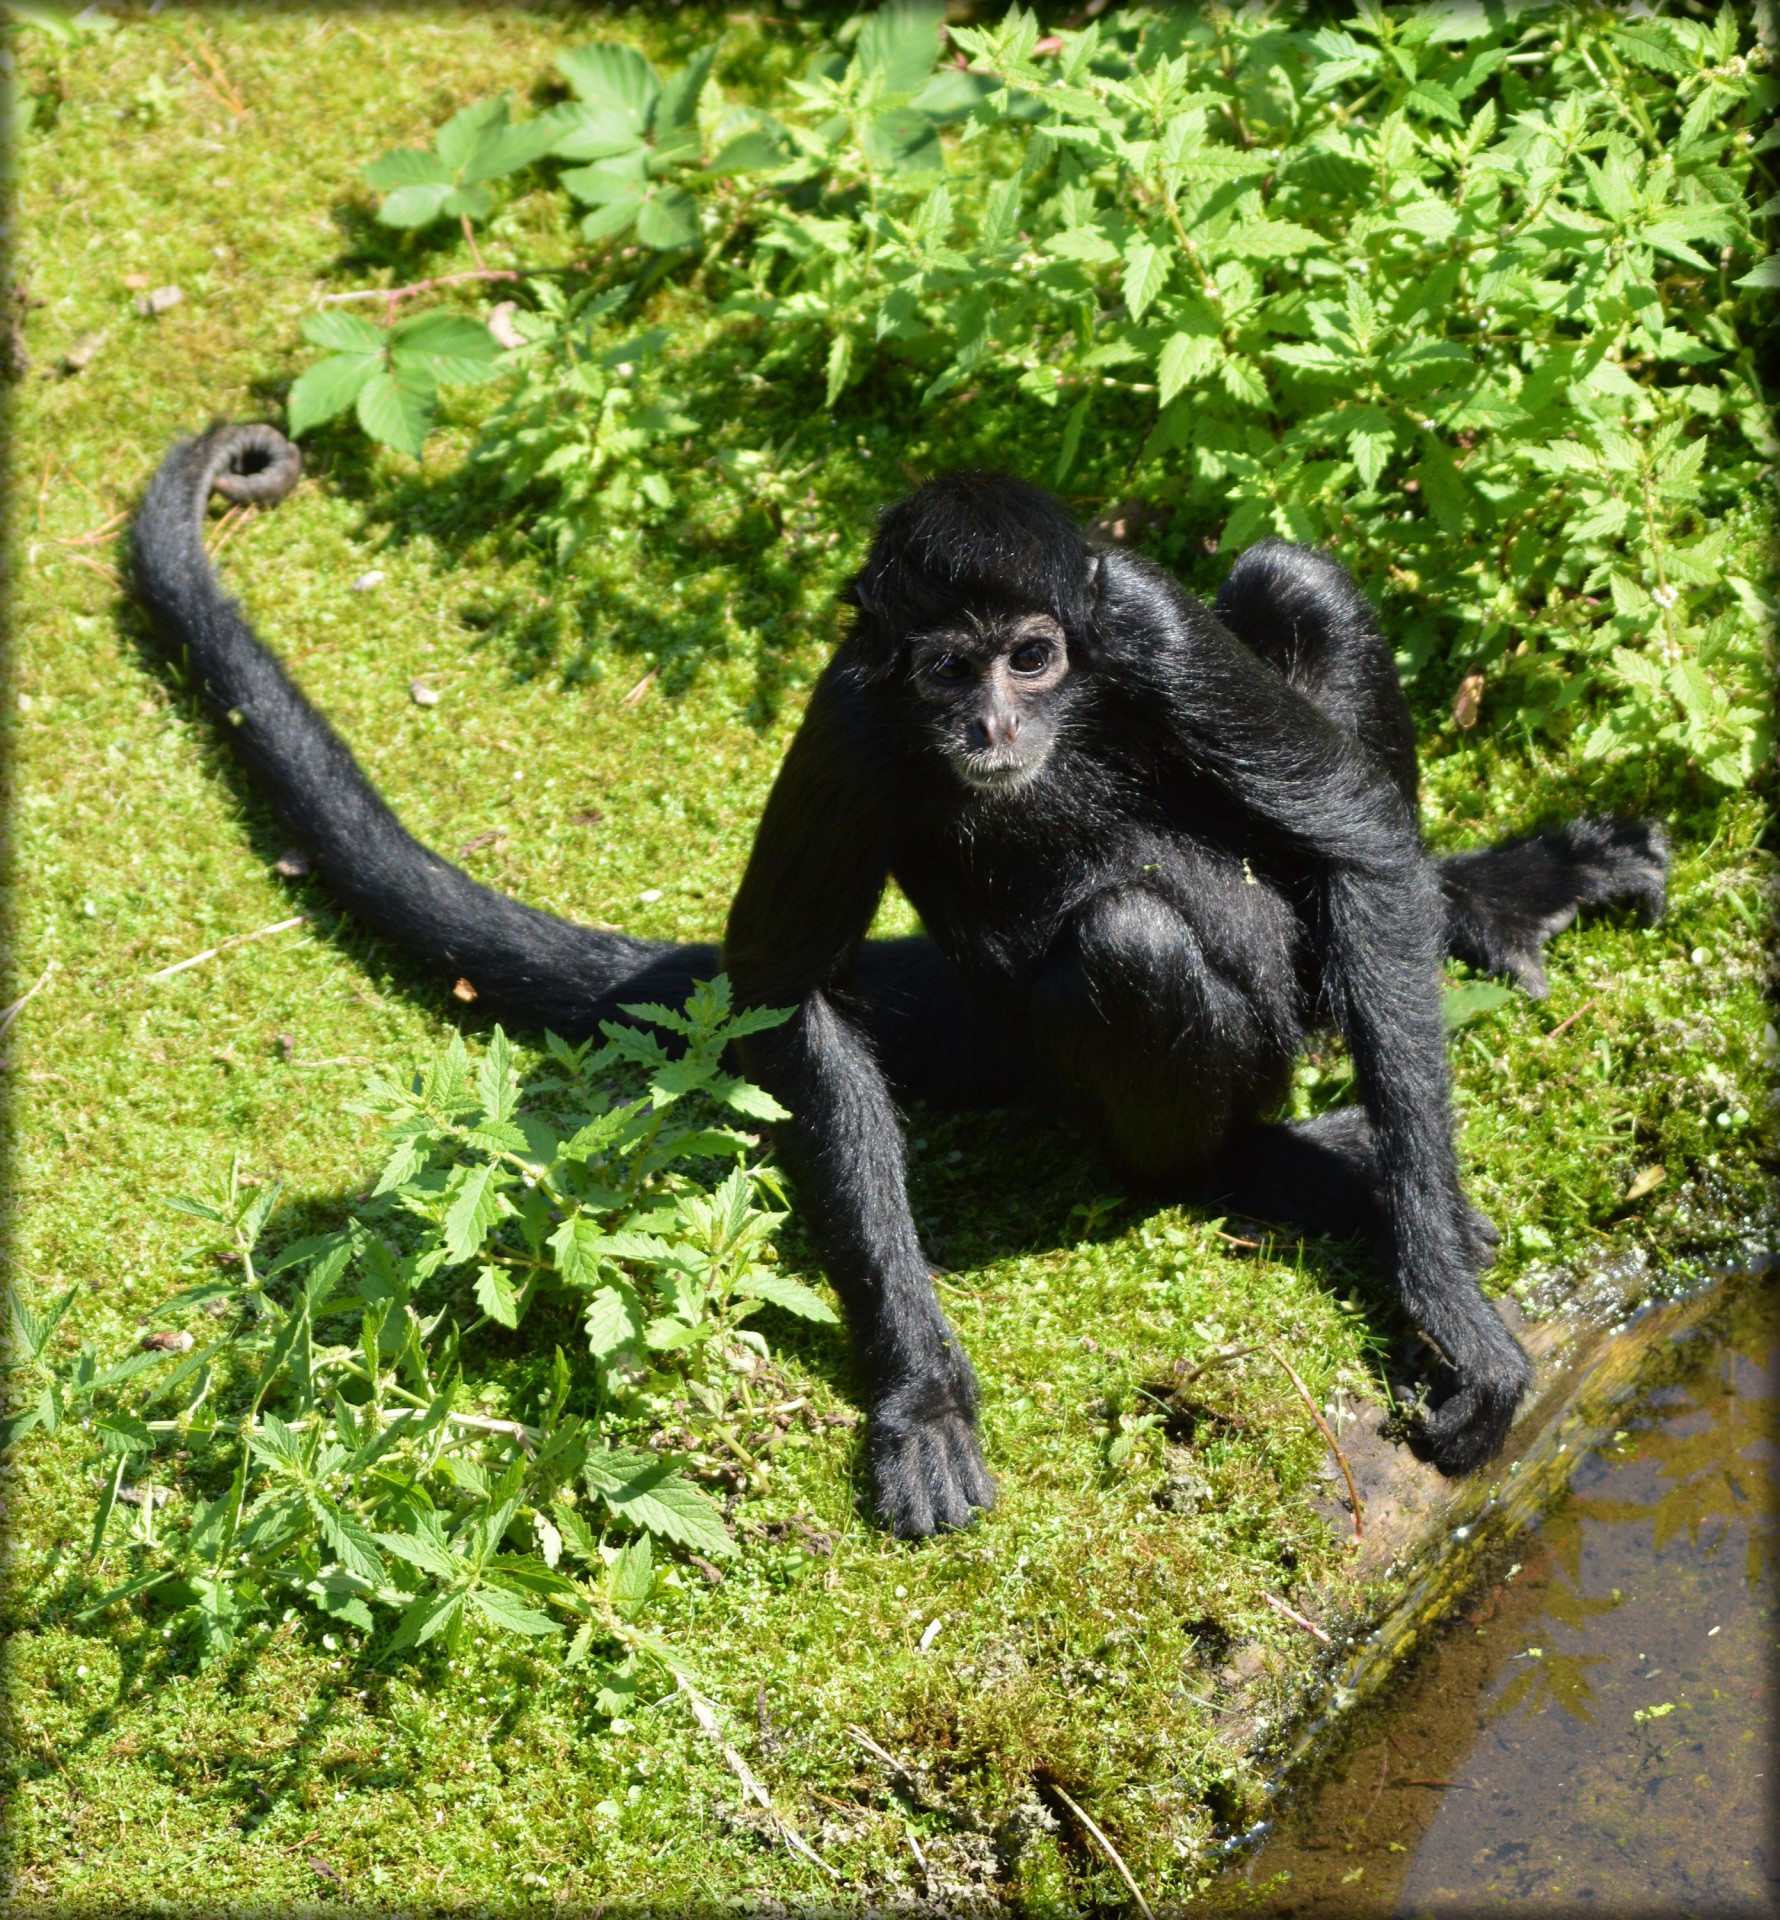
(1504, 902)
(1302, 611)
(1159, 1052)
(930, 1038)
(1320, 1176)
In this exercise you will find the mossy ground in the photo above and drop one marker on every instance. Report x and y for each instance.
(1082, 1630)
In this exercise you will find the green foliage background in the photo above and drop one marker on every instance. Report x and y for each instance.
(605, 525)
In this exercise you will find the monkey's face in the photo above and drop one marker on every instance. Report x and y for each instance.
(992, 691)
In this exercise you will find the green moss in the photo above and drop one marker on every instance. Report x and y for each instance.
(1081, 1629)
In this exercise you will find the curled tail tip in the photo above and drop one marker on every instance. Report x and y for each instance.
(250, 463)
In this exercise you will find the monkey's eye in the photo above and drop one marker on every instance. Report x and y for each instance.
(1033, 657)
(949, 667)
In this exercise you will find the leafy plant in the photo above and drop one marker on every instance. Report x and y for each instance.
(389, 376)
(1460, 292)
(317, 1426)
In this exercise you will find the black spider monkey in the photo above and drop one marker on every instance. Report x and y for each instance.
(1152, 846)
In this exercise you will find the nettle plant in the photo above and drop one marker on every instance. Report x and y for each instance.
(324, 1428)
(1465, 293)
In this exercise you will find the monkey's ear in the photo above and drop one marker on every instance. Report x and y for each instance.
(854, 591)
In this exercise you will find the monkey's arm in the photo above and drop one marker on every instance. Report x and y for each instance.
(813, 882)
(1379, 926)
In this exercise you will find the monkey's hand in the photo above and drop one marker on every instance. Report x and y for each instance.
(926, 1466)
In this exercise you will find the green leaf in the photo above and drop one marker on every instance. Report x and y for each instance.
(432, 1613)
(397, 413)
(780, 1290)
(631, 1578)
(752, 152)
(444, 349)
(652, 1494)
(504, 150)
(674, 121)
(343, 332)
(1072, 437)
(501, 1609)
(329, 388)
(606, 222)
(495, 1296)
(1146, 274)
(1185, 358)
(667, 219)
(352, 1545)
(614, 1319)
(407, 167)
(1471, 1000)
(418, 206)
(478, 1206)
(107, 1503)
(419, 1550)
(899, 45)
(613, 77)
(1268, 240)
(1763, 275)
(840, 361)
(741, 1096)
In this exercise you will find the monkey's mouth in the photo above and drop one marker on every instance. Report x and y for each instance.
(997, 773)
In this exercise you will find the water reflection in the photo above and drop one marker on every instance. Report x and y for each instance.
(1595, 1729)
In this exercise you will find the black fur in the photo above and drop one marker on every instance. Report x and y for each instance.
(1152, 847)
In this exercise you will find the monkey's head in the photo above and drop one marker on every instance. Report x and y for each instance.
(978, 596)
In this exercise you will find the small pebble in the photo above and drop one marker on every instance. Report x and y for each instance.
(159, 301)
(366, 581)
(500, 324)
(650, 895)
(82, 354)
(422, 696)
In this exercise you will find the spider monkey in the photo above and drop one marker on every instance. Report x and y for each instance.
(1152, 844)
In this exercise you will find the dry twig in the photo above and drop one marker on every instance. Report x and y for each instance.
(1106, 1847)
(9, 1014)
(1564, 1025)
(1353, 1492)
(234, 940)
(1297, 1619)
(705, 1714)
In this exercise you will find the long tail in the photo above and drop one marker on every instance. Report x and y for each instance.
(526, 967)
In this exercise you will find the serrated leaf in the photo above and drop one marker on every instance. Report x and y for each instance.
(631, 1578)
(407, 167)
(1471, 1000)
(667, 219)
(614, 78)
(511, 1615)
(349, 1540)
(418, 206)
(840, 361)
(1146, 274)
(477, 1207)
(614, 1319)
(329, 388)
(445, 349)
(657, 1497)
(431, 1614)
(396, 413)
(1185, 357)
(742, 1096)
(495, 1296)
(780, 1290)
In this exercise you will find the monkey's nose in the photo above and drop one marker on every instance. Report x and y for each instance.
(1000, 729)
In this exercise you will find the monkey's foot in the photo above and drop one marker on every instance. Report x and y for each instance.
(926, 1465)
(1503, 903)
(1469, 1427)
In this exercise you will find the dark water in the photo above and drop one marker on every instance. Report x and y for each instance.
(1595, 1728)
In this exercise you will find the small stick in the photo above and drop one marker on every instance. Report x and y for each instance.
(514, 1429)
(393, 294)
(1297, 1619)
(707, 1720)
(99, 567)
(234, 940)
(1107, 1847)
(1563, 1025)
(208, 56)
(871, 1746)
(1353, 1492)
(234, 513)
(9, 1014)
(1219, 1356)
(222, 539)
(1234, 1241)
(98, 537)
(920, 1857)
(642, 687)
